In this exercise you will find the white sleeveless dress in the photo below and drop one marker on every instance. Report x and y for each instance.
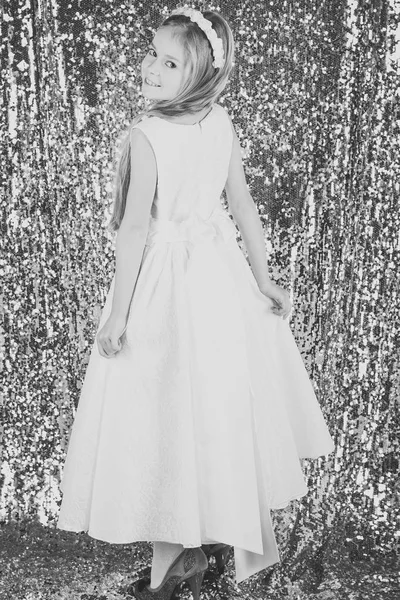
(193, 432)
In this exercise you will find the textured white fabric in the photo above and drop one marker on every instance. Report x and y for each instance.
(194, 430)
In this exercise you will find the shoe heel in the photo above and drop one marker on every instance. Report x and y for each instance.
(221, 557)
(195, 582)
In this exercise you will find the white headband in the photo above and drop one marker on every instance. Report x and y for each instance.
(206, 25)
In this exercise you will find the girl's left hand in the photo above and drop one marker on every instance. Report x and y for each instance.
(108, 338)
(280, 297)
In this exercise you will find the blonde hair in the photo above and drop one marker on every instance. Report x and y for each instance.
(201, 88)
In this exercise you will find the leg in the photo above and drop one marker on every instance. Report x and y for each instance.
(164, 553)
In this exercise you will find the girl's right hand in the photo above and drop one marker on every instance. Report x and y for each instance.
(279, 296)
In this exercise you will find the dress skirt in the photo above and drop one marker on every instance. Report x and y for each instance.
(193, 431)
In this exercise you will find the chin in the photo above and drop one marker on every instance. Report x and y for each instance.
(149, 93)
(149, 96)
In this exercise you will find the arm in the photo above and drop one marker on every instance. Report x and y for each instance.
(133, 230)
(245, 213)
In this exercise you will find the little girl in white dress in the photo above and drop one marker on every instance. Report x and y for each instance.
(196, 405)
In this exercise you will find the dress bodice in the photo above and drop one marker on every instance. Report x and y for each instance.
(192, 164)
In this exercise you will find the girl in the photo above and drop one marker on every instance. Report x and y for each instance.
(196, 405)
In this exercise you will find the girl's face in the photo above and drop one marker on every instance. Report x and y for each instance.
(164, 66)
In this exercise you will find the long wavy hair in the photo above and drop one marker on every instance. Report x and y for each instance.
(199, 91)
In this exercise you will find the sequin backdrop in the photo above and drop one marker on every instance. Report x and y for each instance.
(315, 100)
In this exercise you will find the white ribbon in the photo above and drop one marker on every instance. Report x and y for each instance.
(194, 230)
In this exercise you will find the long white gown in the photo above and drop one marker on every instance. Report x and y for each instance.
(193, 432)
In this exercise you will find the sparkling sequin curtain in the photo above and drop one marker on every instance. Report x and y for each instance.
(315, 100)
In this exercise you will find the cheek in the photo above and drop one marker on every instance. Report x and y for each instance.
(184, 74)
(145, 62)
(181, 80)
(178, 77)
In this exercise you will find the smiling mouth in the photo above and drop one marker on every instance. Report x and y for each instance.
(151, 83)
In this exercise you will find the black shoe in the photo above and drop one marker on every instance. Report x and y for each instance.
(221, 553)
(190, 566)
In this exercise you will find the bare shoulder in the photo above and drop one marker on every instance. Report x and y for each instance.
(143, 180)
(142, 152)
(139, 136)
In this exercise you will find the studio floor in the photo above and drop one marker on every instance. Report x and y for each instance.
(43, 563)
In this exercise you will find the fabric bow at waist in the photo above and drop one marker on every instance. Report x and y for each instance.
(194, 229)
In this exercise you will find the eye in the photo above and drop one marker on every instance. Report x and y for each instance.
(151, 49)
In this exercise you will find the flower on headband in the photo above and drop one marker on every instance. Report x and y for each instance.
(206, 26)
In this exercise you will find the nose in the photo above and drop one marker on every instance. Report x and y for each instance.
(154, 68)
